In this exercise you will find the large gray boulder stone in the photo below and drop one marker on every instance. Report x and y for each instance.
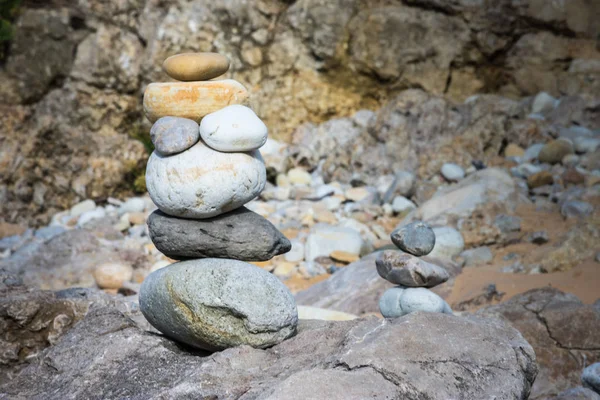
(109, 356)
(214, 304)
(240, 235)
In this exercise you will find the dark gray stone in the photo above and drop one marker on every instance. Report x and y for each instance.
(214, 304)
(172, 135)
(416, 238)
(240, 235)
(406, 270)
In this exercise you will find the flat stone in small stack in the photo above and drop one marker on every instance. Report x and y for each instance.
(200, 177)
(412, 274)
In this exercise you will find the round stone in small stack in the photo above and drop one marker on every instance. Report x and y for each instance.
(205, 167)
(412, 274)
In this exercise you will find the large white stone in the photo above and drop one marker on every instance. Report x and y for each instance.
(202, 183)
(325, 239)
(233, 128)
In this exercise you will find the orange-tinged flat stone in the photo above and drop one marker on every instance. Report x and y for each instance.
(196, 66)
(191, 100)
(343, 256)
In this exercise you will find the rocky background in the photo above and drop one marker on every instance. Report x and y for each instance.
(72, 78)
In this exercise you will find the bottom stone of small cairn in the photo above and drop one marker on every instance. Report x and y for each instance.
(214, 304)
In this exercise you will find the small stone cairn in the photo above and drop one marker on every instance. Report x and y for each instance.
(412, 274)
(205, 167)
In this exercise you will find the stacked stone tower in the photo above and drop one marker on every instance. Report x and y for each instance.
(205, 167)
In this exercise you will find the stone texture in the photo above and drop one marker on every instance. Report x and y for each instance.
(591, 377)
(416, 238)
(234, 128)
(541, 178)
(348, 359)
(562, 331)
(112, 275)
(202, 182)
(555, 151)
(399, 301)
(214, 304)
(196, 66)
(172, 135)
(324, 239)
(192, 100)
(448, 243)
(406, 270)
(239, 234)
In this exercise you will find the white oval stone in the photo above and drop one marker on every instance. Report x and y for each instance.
(233, 128)
(202, 183)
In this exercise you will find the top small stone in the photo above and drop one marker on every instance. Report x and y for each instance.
(196, 66)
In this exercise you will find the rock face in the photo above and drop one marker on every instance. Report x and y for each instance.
(202, 183)
(562, 330)
(214, 304)
(347, 359)
(240, 234)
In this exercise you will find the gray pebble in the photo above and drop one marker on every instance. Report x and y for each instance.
(452, 172)
(507, 223)
(406, 270)
(416, 238)
(477, 256)
(172, 135)
(399, 301)
(591, 377)
(576, 208)
(214, 304)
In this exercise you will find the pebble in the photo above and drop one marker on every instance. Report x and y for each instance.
(296, 254)
(308, 312)
(363, 195)
(448, 243)
(192, 100)
(399, 301)
(159, 264)
(572, 177)
(112, 275)
(542, 178)
(571, 160)
(196, 66)
(202, 182)
(416, 238)
(525, 170)
(310, 269)
(324, 239)
(513, 150)
(402, 205)
(98, 213)
(172, 135)
(284, 269)
(343, 257)
(452, 172)
(240, 235)
(406, 270)
(543, 103)
(132, 205)
(591, 377)
(532, 152)
(586, 144)
(137, 218)
(576, 209)
(231, 303)
(298, 176)
(84, 206)
(232, 129)
(477, 256)
(507, 223)
(539, 237)
(403, 184)
(554, 151)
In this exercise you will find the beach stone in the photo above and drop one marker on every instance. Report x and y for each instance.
(402, 205)
(507, 223)
(477, 256)
(202, 182)
(586, 144)
(407, 270)
(325, 239)
(576, 209)
(452, 172)
(533, 152)
(81, 207)
(172, 135)
(233, 128)
(196, 66)
(542, 178)
(48, 232)
(513, 150)
(112, 275)
(543, 103)
(448, 243)
(577, 393)
(416, 238)
(299, 176)
(554, 151)
(239, 234)
(88, 216)
(591, 377)
(539, 237)
(399, 301)
(192, 100)
(308, 312)
(296, 253)
(132, 205)
(214, 304)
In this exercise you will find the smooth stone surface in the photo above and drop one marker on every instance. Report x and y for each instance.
(239, 234)
(84, 206)
(554, 151)
(533, 152)
(112, 275)
(202, 182)
(325, 239)
(172, 135)
(399, 301)
(402, 205)
(452, 172)
(477, 256)
(576, 209)
(192, 100)
(214, 304)
(448, 243)
(416, 238)
(542, 103)
(406, 270)
(591, 377)
(540, 179)
(233, 128)
(196, 66)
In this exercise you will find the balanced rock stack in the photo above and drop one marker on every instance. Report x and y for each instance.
(412, 274)
(205, 167)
